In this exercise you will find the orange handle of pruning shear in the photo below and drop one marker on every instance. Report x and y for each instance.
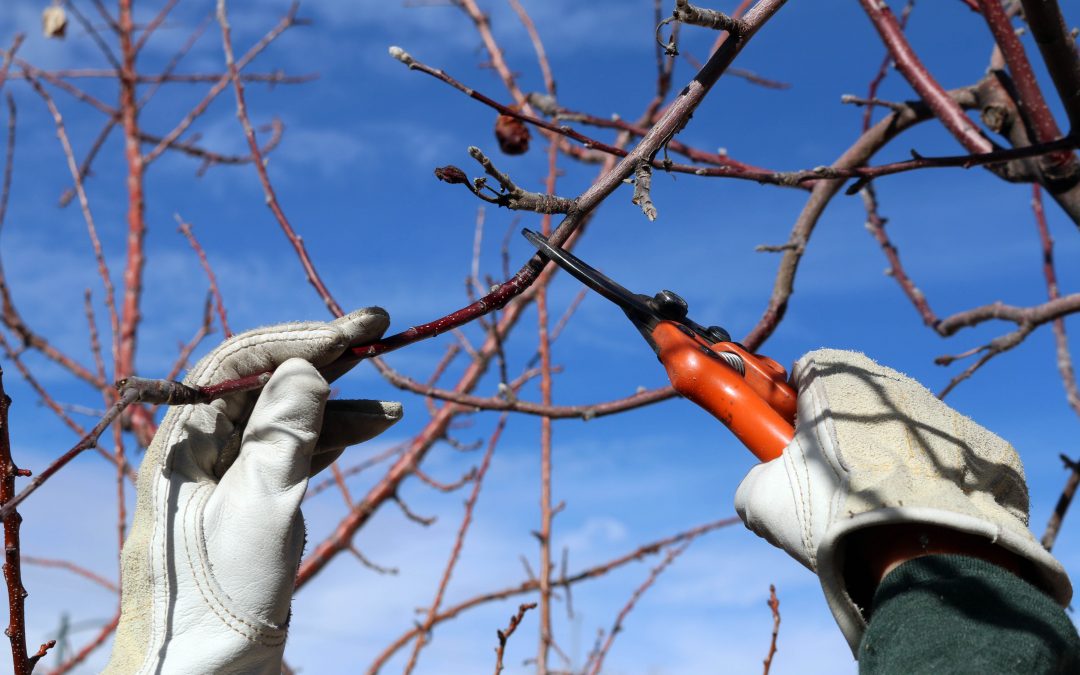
(758, 407)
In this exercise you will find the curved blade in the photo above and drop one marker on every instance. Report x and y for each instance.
(594, 279)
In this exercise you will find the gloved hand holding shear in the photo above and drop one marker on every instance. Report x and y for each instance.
(914, 517)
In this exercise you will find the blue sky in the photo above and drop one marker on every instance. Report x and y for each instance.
(354, 173)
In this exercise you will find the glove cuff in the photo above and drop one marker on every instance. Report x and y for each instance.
(1049, 575)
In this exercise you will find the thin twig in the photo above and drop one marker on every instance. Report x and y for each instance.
(185, 228)
(1058, 48)
(883, 70)
(455, 553)
(99, 640)
(1053, 291)
(74, 569)
(531, 584)
(287, 21)
(504, 635)
(260, 166)
(774, 606)
(88, 441)
(1067, 493)
(673, 553)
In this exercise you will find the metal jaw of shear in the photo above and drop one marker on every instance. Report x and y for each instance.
(748, 392)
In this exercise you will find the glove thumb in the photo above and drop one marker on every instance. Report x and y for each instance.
(766, 503)
(279, 438)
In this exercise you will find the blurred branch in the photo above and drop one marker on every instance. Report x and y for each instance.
(564, 581)
(260, 166)
(504, 635)
(466, 520)
(1067, 494)
(774, 606)
(74, 569)
(673, 553)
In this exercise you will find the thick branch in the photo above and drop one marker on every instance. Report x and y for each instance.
(1058, 48)
(23, 664)
(909, 65)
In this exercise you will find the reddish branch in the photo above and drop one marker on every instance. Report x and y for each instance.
(876, 226)
(131, 313)
(483, 27)
(774, 606)
(275, 77)
(564, 581)
(455, 553)
(74, 569)
(353, 470)
(822, 194)
(260, 166)
(16, 630)
(1061, 341)
(883, 70)
(729, 167)
(1062, 506)
(50, 402)
(88, 441)
(89, 648)
(538, 46)
(504, 635)
(11, 316)
(944, 107)
(215, 291)
(673, 553)
(1058, 48)
(547, 512)
(672, 121)
(1029, 96)
(186, 349)
(288, 21)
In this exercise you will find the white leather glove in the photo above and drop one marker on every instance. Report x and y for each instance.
(209, 564)
(874, 447)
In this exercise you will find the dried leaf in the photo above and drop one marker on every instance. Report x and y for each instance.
(54, 22)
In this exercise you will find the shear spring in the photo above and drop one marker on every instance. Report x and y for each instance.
(733, 360)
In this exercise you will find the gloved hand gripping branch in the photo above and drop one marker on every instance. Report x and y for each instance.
(208, 566)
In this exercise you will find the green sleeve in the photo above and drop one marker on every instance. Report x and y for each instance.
(955, 614)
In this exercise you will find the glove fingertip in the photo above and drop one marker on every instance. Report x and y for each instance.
(363, 325)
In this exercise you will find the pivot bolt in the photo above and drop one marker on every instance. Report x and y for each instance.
(719, 334)
(669, 305)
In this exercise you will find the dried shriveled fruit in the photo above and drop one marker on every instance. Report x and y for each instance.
(512, 134)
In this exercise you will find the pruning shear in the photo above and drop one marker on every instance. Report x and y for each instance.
(748, 392)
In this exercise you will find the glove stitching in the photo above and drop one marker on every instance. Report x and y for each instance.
(807, 523)
(153, 651)
(268, 635)
(159, 577)
(807, 508)
(314, 334)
